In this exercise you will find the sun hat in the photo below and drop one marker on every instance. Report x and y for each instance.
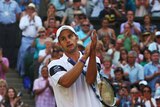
(31, 5)
(157, 33)
(143, 82)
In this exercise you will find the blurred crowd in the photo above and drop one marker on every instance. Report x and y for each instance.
(130, 57)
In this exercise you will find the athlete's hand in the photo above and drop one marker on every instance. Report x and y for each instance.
(94, 40)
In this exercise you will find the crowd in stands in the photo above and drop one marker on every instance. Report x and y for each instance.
(130, 57)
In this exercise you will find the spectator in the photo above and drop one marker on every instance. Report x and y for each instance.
(123, 58)
(147, 57)
(109, 12)
(142, 8)
(155, 45)
(107, 70)
(155, 8)
(114, 52)
(142, 84)
(12, 99)
(43, 91)
(4, 65)
(45, 54)
(69, 13)
(135, 26)
(133, 70)
(3, 88)
(119, 79)
(146, 39)
(51, 13)
(60, 6)
(85, 34)
(97, 7)
(106, 30)
(128, 38)
(52, 28)
(29, 23)
(152, 71)
(157, 96)
(137, 49)
(9, 14)
(147, 26)
(148, 100)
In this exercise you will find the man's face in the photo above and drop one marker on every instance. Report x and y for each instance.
(85, 26)
(155, 57)
(158, 39)
(68, 41)
(131, 59)
(119, 76)
(130, 16)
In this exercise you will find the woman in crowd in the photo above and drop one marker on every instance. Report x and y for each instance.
(123, 57)
(12, 99)
(148, 26)
(147, 57)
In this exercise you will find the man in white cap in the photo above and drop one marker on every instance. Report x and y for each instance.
(74, 72)
(29, 24)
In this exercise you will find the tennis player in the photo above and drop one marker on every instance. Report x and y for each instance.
(70, 84)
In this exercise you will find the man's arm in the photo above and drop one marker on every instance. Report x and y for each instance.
(92, 67)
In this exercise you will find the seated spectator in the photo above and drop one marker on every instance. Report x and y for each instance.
(60, 6)
(69, 12)
(52, 28)
(133, 70)
(127, 37)
(152, 71)
(142, 84)
(155, 45)
(142, 7)
(148, 26)
(98, 6)
(145, 40)
(148, 100)
(3, 88)
(85, 33)
(123, 58)
(51, 12)
(110, 12)
(118, 79)
(136, 100)
(155, 8)
(43, 91)
(137, 49)
(114, 52)
(4, 65)
(135, 26)
(45, 53)
(12, 99)
(107, 70)
(106, 30)
(147, 57)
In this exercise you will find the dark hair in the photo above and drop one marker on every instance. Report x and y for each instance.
(147, 86)
(118, 69)
(154, 51)
(15, 93)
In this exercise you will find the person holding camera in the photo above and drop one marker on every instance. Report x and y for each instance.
(12, 99)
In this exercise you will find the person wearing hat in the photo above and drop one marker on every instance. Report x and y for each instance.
(9, 32)
(156, 44)
(69, 13)
(29, 24)
(146, 39)
(70, 84)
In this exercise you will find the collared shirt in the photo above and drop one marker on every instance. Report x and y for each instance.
(136, 24)
(82, 35)
(46, 98)
(154, 46)
(150, 69)
(135, 73)
(8, 11)
(30, 28)
(79, 94)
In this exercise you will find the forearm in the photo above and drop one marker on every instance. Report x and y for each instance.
(39, 91)
(71, 76)
(92, 68)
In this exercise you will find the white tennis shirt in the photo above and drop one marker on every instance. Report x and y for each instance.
(79, 94)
